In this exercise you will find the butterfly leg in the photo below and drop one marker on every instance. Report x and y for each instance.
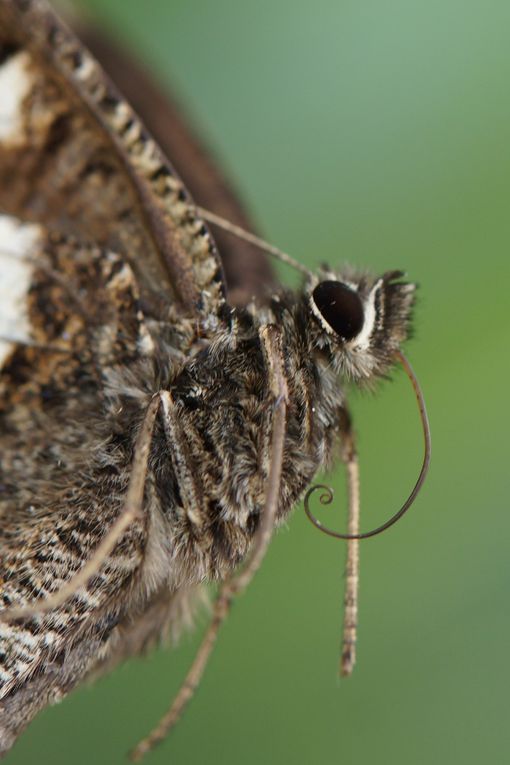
(189, 487)
(350, 626)
(237, 582)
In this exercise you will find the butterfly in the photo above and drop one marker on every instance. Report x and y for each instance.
(160, 411)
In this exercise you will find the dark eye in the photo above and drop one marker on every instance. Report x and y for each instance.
(340, 307)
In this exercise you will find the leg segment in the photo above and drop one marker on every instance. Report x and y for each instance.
(350, 626)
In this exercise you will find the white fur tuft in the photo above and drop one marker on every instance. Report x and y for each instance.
(17, 241)
(15, 82)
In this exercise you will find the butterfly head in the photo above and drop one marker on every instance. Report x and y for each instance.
(360, 319)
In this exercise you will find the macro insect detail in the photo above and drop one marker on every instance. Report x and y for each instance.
(153, 431)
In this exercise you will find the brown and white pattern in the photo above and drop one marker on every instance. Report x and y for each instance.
(113, 294)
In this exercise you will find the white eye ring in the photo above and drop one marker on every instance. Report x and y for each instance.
(339, 308)
(362, 339)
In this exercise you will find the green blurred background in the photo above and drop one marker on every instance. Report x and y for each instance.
(377, 132)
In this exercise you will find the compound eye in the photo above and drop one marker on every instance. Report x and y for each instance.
(340, 307)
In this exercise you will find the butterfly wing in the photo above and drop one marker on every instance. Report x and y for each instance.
(101, 244)
(75, 156)
(65, 460)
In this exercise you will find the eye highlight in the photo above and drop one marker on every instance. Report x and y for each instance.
(340, 307)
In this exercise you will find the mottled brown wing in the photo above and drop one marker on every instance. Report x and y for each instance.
(75, 156)
(79, 310)
(101, 240)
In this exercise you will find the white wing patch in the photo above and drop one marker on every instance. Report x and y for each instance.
(18, 241)
(15, 84)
